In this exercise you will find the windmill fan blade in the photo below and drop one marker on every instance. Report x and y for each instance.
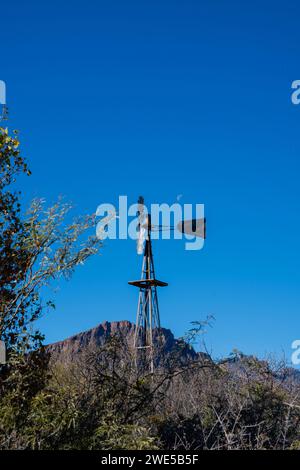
(196, 227)
(141, 241)
(141, 227)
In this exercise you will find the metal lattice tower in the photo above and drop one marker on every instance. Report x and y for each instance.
(147, 317)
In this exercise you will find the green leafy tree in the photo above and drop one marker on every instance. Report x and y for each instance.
(34, 250)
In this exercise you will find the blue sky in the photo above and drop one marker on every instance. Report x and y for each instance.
(199, 93)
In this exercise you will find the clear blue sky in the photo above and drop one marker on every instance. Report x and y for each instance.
(199, 91)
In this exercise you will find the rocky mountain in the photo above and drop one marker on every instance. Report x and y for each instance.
(240, 367)
(96, 337)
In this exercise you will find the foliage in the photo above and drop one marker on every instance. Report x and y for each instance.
(93, 404)
(99, 401)
(34, 249)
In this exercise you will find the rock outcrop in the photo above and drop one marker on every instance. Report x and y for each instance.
(96, 337)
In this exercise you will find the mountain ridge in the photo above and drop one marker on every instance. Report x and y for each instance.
(68, 348)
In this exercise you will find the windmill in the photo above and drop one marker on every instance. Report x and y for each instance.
(147, 316)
